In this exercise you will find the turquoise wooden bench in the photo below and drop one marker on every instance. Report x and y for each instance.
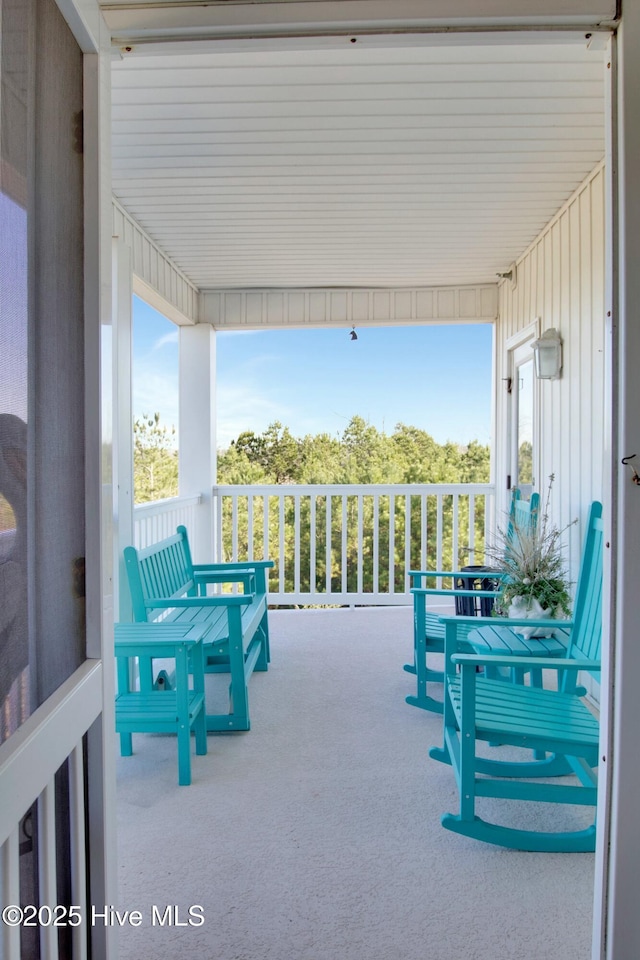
(165, 584)
(428, 629)
(555, 723)
(152, 710)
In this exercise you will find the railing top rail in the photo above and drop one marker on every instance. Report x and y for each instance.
(170, 503)
(339, 489)
(30, 758)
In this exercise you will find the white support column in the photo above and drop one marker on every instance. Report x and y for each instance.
(122, 418)
(621, 940)
(198, 428)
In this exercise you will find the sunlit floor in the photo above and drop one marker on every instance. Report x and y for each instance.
(316, 835)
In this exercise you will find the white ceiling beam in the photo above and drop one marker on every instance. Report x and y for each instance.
(174, 19)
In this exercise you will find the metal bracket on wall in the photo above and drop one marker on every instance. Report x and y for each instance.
(635, 476)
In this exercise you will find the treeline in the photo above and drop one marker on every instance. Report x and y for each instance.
(361, 455)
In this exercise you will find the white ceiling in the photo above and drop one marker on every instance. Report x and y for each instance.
(374, 163)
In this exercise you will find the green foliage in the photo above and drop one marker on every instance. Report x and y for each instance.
(155, 460)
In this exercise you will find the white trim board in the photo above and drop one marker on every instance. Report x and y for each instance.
(242, 309)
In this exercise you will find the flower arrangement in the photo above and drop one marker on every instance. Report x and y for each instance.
(534, 576)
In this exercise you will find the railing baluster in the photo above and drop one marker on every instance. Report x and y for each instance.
(454, 538)
(218, 554)
(376, 544)
(329, 550)
(265, 532)
(360, 578)
(407, 537)
(234, 530)
(78, 857)
(281, 553)
(392, 543)
(472, 528)
(313, 583)
(47, 879)
(250, 505)
(343, 544)
(424, 533)
(10, 893)
(296, 544)
(439, 535)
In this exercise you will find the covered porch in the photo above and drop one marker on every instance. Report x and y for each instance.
(246, 165)
(288, 187)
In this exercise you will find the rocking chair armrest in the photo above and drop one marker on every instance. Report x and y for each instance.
(466, 574)
(505, 621)
(433, 592)
(544, 663)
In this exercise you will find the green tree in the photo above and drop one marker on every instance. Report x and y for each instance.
(155, 459)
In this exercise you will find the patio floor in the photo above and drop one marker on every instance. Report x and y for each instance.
(316, 836)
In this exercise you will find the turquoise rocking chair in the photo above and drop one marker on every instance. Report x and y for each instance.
(556, 723)
(428, 629)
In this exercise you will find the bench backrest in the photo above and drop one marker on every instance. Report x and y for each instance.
(163, 569)
(587, 631)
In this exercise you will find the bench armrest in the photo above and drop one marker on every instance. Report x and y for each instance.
(247, 578)
(221, 600)
(253, 574)
(544, 663)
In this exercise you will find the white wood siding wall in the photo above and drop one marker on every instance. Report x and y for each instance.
(312, 307)
(560, 279)
(156, 270)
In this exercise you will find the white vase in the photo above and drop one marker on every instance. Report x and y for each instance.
(523, 609)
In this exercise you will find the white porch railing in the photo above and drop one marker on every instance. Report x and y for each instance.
(351, 544)
(159, 519)
(334, 544)
(29, 761)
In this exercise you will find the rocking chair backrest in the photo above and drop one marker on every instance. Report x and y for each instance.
(523, 515)
(587, 607)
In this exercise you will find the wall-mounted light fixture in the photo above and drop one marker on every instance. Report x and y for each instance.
(547, 354)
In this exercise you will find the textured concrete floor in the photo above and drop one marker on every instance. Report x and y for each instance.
(316, 835)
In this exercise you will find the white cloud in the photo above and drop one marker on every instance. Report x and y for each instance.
(167, 338)
(153, 393)
(244, 407)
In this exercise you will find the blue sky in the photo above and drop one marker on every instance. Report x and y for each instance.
(437, 378)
